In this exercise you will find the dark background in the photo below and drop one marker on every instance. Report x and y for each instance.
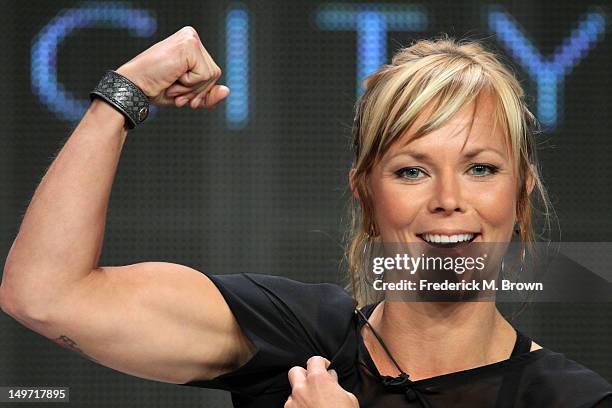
(270, 197)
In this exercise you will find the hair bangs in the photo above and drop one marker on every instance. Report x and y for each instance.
(441, 92)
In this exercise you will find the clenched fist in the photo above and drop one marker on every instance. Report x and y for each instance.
(317, 387)
(177, 71)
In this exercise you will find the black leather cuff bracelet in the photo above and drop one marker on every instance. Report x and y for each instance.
(123, 95)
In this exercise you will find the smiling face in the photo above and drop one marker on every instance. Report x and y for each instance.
(458, 179)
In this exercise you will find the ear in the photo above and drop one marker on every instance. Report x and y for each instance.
(530, 179)
(351, 177)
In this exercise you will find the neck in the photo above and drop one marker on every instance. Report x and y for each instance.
(429, 339)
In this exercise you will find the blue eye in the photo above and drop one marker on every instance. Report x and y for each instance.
(478, 170)
(409, 173)
(481, 170)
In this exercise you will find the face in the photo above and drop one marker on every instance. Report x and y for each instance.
(447, 184)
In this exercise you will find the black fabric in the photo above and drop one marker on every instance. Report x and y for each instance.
(290, 321)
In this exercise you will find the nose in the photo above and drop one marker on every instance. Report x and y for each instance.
(446, 196)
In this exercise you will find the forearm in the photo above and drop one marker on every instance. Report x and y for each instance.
(62, 232)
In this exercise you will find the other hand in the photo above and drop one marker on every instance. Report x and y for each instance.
(317, 387)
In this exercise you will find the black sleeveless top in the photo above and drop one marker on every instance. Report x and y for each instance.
(401, 391)
(289, 321)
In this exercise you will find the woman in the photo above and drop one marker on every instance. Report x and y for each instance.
(244, 332)
(444, 145)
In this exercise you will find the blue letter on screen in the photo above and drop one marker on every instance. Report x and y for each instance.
(52, 94)
(237, 67)
(371, 22)
(549, 73)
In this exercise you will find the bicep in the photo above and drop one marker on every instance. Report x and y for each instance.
(154, 320)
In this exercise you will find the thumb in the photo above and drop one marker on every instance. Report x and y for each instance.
(215, 95)
(334, 374)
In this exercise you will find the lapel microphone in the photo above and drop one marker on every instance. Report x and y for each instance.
(400, 384)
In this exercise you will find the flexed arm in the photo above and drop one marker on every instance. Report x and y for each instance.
(132, 317)
(61, 235)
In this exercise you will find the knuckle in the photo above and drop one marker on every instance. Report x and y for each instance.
(299, 390)
(318, 359)
(294, 370)
(313, 359)
(318, 376)
(190, 41)
(189, 36)
(189, 31)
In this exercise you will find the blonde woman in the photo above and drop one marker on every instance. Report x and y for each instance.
(443, 145)
(415, 173)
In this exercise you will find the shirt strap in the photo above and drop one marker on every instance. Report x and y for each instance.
(382, 343)
(521, 345)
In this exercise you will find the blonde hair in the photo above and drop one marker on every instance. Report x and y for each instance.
(444, 75)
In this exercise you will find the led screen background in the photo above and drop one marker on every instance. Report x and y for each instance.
(260, 184)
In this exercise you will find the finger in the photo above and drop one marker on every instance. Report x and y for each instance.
(317, 365)
(334, 374)
(195, 102)
(200, 93)
(177, 89)
(195, 94)
(163, 100)
(289, 403)
(201, 67)
(199, 99)
(202, 87)
(296, 375)
(181, 101)
(214, 96)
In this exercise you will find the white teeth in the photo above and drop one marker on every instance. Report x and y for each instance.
(447, 238)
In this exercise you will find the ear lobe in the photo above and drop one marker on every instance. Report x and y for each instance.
(352, 183)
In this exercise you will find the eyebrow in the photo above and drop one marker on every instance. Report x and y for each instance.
(469, 154)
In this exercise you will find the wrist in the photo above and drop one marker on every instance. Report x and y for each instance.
(103, 113)
(130, 73)
(124, 95)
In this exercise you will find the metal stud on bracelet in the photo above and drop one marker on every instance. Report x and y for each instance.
(123, 95)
